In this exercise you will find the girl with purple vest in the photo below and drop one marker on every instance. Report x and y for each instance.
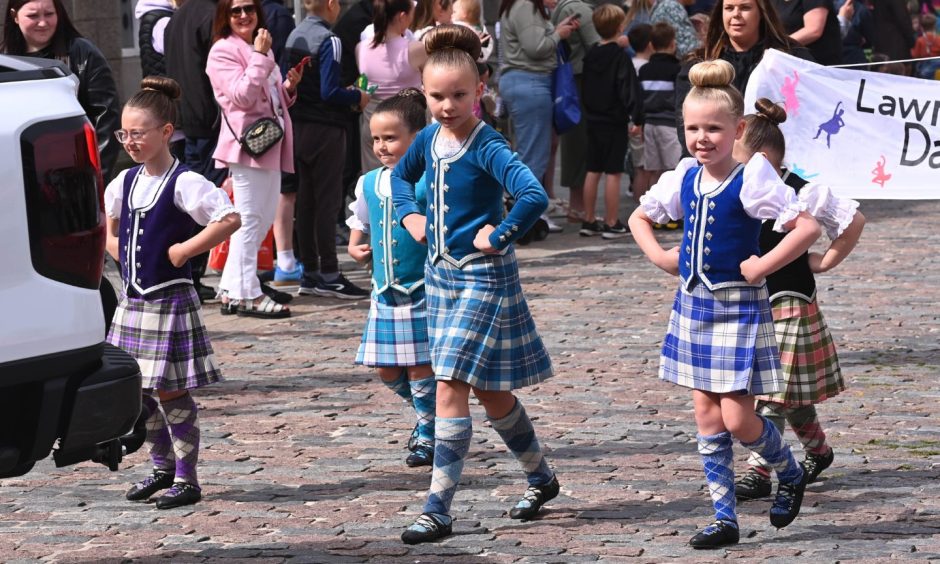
(395, 340)
(720, 340)
(811, 372)
(155, 210)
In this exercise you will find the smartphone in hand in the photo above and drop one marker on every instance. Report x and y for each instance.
(303, 63)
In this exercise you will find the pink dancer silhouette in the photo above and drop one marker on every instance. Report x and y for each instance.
(790, 102)
(879, 171)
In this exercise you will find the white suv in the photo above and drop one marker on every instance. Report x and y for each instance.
(61, 385)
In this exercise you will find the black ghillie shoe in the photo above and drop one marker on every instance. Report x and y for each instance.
(533, 499)
(788, 501)
(427, 527)
(816, 463)
(422, 455)
(179, 495)
(716, 535)
(413, 439)
(150, 485)
(752, 486)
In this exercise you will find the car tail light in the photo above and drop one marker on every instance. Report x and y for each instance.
(64, 201)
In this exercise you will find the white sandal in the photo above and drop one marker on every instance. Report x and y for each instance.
(266, 309)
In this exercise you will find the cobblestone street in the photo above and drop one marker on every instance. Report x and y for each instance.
(303, 456)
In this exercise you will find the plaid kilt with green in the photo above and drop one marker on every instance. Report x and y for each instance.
(480, 327)
(811, 371)
(166, 335)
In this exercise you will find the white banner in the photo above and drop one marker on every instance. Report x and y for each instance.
(868, 135)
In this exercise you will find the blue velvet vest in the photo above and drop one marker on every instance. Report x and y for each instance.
(397, 259)
(719, 235)
(147, 233)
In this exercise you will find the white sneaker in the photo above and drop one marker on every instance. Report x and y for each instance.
(552, 226)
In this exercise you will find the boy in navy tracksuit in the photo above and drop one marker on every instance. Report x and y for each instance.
(319, 117)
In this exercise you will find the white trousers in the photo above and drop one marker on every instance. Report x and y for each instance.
(256, 193)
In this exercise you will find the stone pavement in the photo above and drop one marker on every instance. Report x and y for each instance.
(303, 451)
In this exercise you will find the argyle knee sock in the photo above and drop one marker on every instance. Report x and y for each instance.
(776, 452)
(424, 396)
(181, 414)
(718, 463)
(774, 412)
(805, 424)
(451, 444)
(516, 431)
(399, 386)
(158, 440)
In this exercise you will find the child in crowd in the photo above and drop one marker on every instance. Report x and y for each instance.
(395, 340)
(811, 372)
(657, 79)
(611, 100)
(639, 38)
(927, 45)
(319, 118)
(154, 210)
(469, 13)
(482, 336)
(720, 340)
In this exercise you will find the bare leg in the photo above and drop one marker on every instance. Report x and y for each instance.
(612, 199)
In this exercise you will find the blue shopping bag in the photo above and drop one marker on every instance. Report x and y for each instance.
(566, 111)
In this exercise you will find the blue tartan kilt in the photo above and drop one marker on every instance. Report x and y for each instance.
(480, 327)
(722, 341)
(396, 332)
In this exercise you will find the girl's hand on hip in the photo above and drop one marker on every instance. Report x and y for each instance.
(177, 255)
(482, 240)
(360, 253)
(669, 261)
(416, 225)
(752, 271)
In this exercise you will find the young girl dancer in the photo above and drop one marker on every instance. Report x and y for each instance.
(720, 340)
(154, 209)
(395, 340)
(482, 336)
(811, 372)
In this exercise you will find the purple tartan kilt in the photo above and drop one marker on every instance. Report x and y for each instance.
(722, 341)
(166, 335)
(396, 332)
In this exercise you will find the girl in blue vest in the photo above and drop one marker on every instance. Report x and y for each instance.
(395, 340)
(720, 340)
(482, 337)
(811, 372)
(155, 209)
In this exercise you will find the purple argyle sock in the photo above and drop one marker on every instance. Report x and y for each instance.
(181, 414)
(158, 437)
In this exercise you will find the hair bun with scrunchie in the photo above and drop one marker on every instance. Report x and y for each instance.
(413, 95)
(770, 111)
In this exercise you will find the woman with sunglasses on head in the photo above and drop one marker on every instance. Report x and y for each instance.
(248, 86)
(42, 28)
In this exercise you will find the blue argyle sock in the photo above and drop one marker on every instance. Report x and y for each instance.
(400, 386)
(772, 448)
(424, 396)
(451, 444)
(517, 432)
(718, 461)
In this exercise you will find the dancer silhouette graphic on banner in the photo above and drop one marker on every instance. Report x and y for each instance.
(832, 126)
(790, 102)
(879, 171)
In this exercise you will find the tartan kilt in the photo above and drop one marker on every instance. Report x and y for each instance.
(480, 327)
(396, 332)
(722, 341)
(811, 372)
(166, 335)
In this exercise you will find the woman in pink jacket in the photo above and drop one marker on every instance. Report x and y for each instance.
(248, 86)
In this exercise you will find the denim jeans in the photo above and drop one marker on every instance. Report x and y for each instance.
(528, 95)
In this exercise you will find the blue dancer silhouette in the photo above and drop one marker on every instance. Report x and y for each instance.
(832, 126)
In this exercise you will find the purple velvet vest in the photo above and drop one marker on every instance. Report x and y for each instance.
(147, 233)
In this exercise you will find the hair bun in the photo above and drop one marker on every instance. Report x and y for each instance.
(770, 111)
(712, 74)
(166, 86)
(413, 95)
(458, 37)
